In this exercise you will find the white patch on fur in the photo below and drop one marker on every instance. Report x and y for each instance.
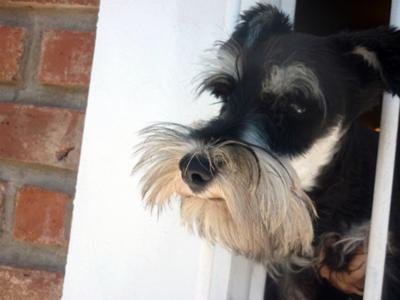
(369, 56)
(308, 166)
(294, 77)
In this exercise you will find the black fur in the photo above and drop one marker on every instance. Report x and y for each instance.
(289, 123)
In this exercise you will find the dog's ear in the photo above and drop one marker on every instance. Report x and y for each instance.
(375, 52)
(259, 23)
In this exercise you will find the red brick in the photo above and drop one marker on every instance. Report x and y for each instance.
(2, 199)
(41, 135)
(2, 193)
(25, 284)
(40, 216)
(93, 4)
(11, 49)
(66, 58)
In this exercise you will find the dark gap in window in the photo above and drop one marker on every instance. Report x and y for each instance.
(328, 17)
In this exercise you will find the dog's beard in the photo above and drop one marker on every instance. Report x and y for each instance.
(254, 204)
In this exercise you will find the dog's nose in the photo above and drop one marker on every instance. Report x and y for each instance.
(196, 170)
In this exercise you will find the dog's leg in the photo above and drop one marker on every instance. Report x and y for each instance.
(341, 255)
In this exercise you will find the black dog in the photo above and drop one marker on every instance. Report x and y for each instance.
(285, 172)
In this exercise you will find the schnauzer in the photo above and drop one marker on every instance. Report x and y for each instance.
(284, 174)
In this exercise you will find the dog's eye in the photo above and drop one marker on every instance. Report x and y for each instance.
(222, 91)
(297, 108)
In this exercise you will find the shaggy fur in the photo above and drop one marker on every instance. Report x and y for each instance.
(284, 173)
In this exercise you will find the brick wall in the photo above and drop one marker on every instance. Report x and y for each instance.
(46, 49)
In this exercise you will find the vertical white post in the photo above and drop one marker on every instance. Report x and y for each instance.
(206, 262)
(383, 187)
(289, 7)
(231, 15)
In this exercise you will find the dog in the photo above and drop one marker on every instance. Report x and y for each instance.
(284, 174)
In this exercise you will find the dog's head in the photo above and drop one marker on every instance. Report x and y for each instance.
(286, 100)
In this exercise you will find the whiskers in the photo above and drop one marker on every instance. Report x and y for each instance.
(254, 203)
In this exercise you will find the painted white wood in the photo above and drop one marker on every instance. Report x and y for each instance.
(206, 263)
(257, 284)
(247, 280)
(382, 199)
(232, 12)
(147, 53)
(383, 187)
(221, 273)
(289, 6)
(240, 279)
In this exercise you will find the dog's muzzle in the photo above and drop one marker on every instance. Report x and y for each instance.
(262, 211)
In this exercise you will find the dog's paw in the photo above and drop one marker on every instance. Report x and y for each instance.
(349, 281)
(342, 263)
